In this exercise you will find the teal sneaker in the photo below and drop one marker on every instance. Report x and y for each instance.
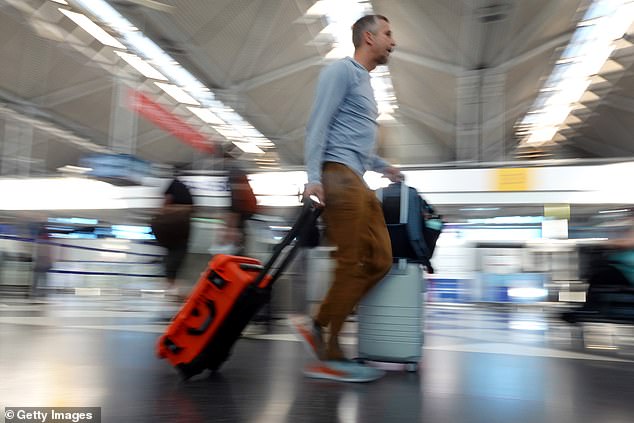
(343, 371)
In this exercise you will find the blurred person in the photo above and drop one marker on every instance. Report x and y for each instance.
(42, 262)
(171, 227)
(610, 293)
(340, 143)
(243, 207)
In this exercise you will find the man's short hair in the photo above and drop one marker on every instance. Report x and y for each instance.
(366, 23)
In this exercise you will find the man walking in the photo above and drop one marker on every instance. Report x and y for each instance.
(339, 149)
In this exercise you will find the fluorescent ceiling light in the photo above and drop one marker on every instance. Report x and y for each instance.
(186, 88)
(206, 115)
(228, 132)
(93, 29)
(248, 147)
(587, 54)
(107, 14)
(61, 2)
(541, 135)
(142, 66)
(319, 8)
(177, 94)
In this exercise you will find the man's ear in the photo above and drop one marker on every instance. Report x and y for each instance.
(368, 37)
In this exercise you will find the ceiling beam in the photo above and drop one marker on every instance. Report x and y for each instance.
(428, 119)
(150, 137)
(195, 58)
(90, 139)
(259, 34)
(74, 92)
(427, 62)
(598, 148)
(277, 74)
(541, 49)
(620, 102)
(535, 28)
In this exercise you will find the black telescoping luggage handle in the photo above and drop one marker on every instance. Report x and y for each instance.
(308, 216)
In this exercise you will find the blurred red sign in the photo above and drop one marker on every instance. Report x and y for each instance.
(164, 119)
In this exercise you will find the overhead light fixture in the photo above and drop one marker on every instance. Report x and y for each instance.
(206, 115)
(586, 55)
(93, 29)
(185, 87)
(61, 2)
(142, 66)
(177, 93)
(228, 132)
(319, 8)
(248, 147)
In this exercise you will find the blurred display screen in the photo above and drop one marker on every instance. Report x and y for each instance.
(120, 166)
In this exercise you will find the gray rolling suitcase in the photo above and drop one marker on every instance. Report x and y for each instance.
(391, 318)
(391, 314)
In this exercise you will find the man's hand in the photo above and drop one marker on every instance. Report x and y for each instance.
(393, 174)
(316, 189)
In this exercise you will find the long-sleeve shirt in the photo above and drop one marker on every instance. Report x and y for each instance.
(342, 127)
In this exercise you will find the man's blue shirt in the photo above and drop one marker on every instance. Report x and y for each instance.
(342, 127)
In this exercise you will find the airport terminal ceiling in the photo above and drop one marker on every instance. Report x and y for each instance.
(464, 77)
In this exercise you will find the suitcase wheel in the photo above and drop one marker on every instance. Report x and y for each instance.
(188, 371)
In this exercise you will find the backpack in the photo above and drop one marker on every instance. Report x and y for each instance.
(432, 227)
(243, 199)
(171, 226)
(413, 225)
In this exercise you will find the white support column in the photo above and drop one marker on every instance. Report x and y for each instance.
(9, 145)
(468, 116)
(480, 131)
(123, 121)
(17, 148)
(26, 149)
(493, 123)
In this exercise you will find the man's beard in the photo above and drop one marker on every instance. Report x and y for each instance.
(383, 59)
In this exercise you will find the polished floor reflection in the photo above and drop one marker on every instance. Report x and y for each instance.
(480, 365)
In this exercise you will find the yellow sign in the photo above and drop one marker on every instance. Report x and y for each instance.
(557, 211)
(512, 179)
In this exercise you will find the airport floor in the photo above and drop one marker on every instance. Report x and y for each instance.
(480, 364)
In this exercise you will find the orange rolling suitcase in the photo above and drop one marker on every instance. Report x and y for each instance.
(228, 294)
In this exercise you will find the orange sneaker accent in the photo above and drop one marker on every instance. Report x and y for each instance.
(327, 370)
(307, 336)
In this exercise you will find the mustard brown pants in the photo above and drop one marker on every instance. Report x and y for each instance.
(355, 225)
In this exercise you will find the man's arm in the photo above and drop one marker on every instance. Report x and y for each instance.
(329, 94)
(390, 172)
(380, 165)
